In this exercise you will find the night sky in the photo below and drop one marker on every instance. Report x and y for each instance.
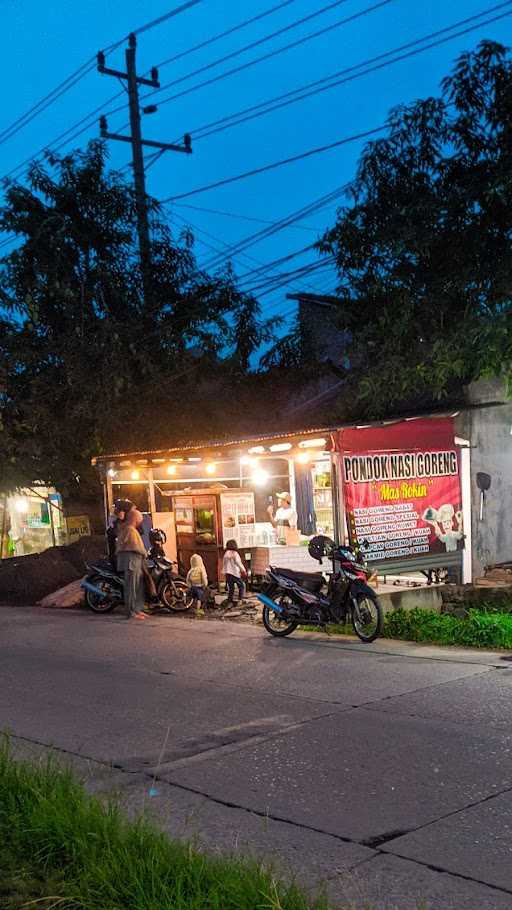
(46, 42)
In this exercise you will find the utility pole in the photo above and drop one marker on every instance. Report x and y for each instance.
(137, 142)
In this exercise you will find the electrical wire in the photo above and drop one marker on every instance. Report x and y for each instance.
(275, 164)
(45, 102)
(326, 83)
(237, 215)
(225, 34)
(215, 248)
(270, 55)
(270, 285)
(82, 71)
(317, 205)
(90, 118)
(263, 268)
(164, 18)
(216, 240)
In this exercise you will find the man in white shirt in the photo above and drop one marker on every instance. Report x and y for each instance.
(285, 516)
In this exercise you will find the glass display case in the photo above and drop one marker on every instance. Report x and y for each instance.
(322, 498)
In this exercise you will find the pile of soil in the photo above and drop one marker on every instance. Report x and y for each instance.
(24, 580)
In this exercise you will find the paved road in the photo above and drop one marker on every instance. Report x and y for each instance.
(381, 774)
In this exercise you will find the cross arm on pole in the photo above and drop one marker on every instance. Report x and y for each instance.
(164, 146)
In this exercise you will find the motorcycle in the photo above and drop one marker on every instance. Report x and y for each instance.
(104, 585)
(293, 598)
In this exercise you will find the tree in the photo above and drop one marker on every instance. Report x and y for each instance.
(88, 364)
(423, 250)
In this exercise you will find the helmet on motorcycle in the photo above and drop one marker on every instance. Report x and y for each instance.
(156, 536)
(122, 505)
(320, 546)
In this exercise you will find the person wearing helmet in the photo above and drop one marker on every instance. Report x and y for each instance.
(131, 553)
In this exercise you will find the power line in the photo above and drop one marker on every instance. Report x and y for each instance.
(280, 261)
(317, 205)
(76, 77)
(272, 284)
(213, 246)
(45, 102)
(161, 19)
(284, 161)
(216, 240)
(225, 34)
(237, 215)
(326, 83)
(92, 115)
(270, 54)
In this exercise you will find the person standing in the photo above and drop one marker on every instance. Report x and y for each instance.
(131, 553)
(285, 516)
(197, 579)
(235, 572)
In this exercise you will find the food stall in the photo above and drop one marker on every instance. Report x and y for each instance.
(401, 486)
(205, 495)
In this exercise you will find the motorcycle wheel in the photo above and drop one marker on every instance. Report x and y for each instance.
(94, 601)
(176, 596)
(275, 625)
(367, 617)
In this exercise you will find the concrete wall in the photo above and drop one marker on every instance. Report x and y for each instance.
(318, 324)
(488, 427)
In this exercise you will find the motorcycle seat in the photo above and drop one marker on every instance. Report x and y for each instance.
(104, 567)
(105, 564)
(312, 581)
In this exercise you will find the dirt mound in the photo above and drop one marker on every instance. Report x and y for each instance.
(25, 580)
(84, 551)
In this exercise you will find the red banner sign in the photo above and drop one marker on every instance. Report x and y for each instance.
(402, 489)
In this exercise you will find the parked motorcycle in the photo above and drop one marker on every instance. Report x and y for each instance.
(104, 585)
(293, 598)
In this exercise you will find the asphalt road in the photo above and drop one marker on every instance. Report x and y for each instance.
(381, 775)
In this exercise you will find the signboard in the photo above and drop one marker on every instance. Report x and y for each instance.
(238, 518)
(184, 514)
(402, 489)
(78, 526)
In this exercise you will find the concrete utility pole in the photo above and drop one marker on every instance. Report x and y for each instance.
(137, 142)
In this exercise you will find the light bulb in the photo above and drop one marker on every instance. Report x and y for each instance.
(260, 477)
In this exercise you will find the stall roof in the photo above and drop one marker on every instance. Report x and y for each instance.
(215, 444)
(218, 444)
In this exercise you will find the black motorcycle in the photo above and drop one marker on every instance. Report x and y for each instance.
(104, 585)
(294, 598)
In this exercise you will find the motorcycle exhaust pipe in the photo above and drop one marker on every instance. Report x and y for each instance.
(88, 586)
(269, 603)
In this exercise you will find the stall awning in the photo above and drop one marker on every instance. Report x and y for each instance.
(414, 434)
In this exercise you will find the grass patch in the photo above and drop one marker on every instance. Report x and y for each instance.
(480, 629)
(484, 628)
(64, 849)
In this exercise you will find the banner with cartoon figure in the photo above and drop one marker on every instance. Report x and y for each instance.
(402, 490)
